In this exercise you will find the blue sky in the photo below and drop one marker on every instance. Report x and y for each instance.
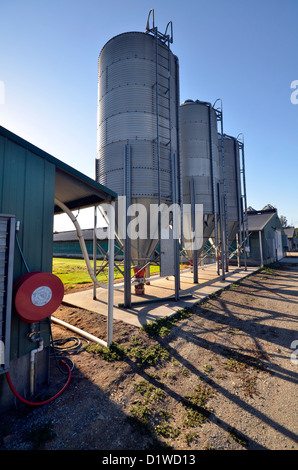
(242, 52)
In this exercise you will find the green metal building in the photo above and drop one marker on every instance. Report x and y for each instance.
(66, 244)
(30, 180)
(267, 240)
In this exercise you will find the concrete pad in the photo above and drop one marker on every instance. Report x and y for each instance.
(155, 303)
(290, 259)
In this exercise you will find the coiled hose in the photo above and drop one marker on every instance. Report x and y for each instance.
(27, 402)
(61, 361)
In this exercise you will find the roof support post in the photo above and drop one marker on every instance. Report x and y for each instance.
(261, 247)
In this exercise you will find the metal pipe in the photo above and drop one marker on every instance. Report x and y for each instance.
(40, 341)
(80, 332)
(82, 242)
(32, 364)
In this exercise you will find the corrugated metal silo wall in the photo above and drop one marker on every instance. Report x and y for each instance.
(27, 189)
(127, 112)
(137, 108)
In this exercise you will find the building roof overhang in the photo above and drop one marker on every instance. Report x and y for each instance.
(72, 188)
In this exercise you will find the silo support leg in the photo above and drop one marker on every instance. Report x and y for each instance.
(111, 276)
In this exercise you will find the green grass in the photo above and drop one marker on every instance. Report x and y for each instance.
(73, 272)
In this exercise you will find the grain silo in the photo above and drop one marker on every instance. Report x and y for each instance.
(233, 186)
(200, 166)
(138, 149)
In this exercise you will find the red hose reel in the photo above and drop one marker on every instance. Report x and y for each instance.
(37, 295)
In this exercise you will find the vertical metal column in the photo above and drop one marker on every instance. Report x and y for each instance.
(261, 247)
(223, 258)
(193, 223)
(238, 248)
(127, 241)
(111, 275)
(175, 228)
(94, 250)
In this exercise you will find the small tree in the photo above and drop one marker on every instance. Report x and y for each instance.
(283, 221)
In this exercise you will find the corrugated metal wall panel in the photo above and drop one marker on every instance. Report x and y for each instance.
(27, 191)
(7, 229)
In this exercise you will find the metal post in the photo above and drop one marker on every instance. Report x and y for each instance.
(111, 275)
(261, 247)
(238, 249)
(94, 251)
(193, 223)
(127, 242)
(245, 236)
(175, 228)
(223, 260)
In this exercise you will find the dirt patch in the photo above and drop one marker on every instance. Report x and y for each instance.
(221, 376)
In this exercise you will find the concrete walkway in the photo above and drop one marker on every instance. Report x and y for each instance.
(155, 303)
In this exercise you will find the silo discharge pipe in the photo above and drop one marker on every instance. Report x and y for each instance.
(82, 242)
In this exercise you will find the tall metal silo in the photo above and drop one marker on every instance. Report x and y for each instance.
(138, 150)
(233, 185)
(200, 163)
(231, 169)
